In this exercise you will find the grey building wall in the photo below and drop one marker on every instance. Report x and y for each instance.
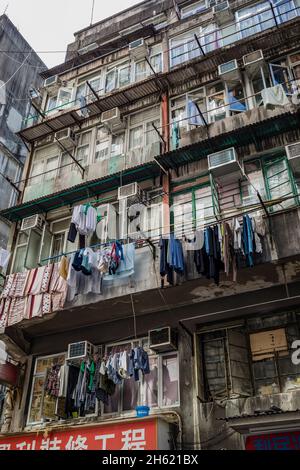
(15, 81)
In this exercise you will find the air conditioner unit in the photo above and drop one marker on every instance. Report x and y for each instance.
(223, 13)
(254, 62)
(107, 223)
(86, 49)
(293, 155)
(131, 190)
(66, 137)
(112, 119)
(52, 82)
(138, 49)
(79, 351)
(224, 166)
(229, 71)
(33, 222)
(163, 340)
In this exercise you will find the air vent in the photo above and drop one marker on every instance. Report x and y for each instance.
(33, 222)
(80, 350)
(163, 339)
(229, 71)
(293, 155)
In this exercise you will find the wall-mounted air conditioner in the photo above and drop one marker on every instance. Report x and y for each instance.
(163, 340)
(254, 62)
(80, 350)
(225, 166)
(138, 49)
(131, 190)
(107, 223)
(52, 83)
(293, 155)
(66, 137)
(229, 71)
(33, 222)
(112, 119)
(223, 13)
(86, 49)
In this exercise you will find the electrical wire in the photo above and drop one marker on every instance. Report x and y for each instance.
(15, 73)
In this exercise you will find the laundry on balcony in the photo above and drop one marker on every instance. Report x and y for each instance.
(84, 222)
(274, 96)
(223, 247)
(33, 293)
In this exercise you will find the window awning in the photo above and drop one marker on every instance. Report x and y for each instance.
(80, 192)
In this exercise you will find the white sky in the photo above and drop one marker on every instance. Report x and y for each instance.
(49, 25)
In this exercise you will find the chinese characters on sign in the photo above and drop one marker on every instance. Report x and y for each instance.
(127, 436)
(283, 441)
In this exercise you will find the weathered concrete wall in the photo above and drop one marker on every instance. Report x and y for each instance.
(12, 107)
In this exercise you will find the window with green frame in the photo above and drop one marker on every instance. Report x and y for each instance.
(279, 182)
(272, 177)
(192, 208)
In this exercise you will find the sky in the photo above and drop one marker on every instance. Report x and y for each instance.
(49, 25)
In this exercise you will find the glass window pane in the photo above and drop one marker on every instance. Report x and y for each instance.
(124, 76)
(150, 384)
(170, 378)
(183, 214)
(156, 62)
(110, 83)
(51, 167)
(136, 137)
(141, 70)
(130, 394)
(37, 399)
(117, 145)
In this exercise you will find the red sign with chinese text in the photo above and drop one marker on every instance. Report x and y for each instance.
(280, 441)
(139, 435)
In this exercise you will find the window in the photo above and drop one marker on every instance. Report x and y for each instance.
(273, 370)
(64, 97)
(210, 38)
(42, 407)
(118, 77)
(108, 145)
(263, 344)
(160, 388)
(51, 103)
(216, 102)
(84, 91)
(142, 69)
(184, 48)
(193, 9)
(253, 170)
(254, 19)
(279, 182)
(45, 165)
(236, 99)
(191, 210)
(144, 142)
(226, 368)
(83, 149)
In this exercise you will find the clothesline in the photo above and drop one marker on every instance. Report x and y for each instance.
(151, 240)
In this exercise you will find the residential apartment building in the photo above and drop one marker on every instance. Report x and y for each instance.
(176, 122)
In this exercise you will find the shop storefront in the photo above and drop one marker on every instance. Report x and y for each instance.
(139, 434)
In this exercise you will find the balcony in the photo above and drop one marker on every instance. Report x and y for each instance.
(194, 69)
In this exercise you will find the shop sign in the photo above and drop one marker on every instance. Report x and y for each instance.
(135, 435)
(281, 441)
